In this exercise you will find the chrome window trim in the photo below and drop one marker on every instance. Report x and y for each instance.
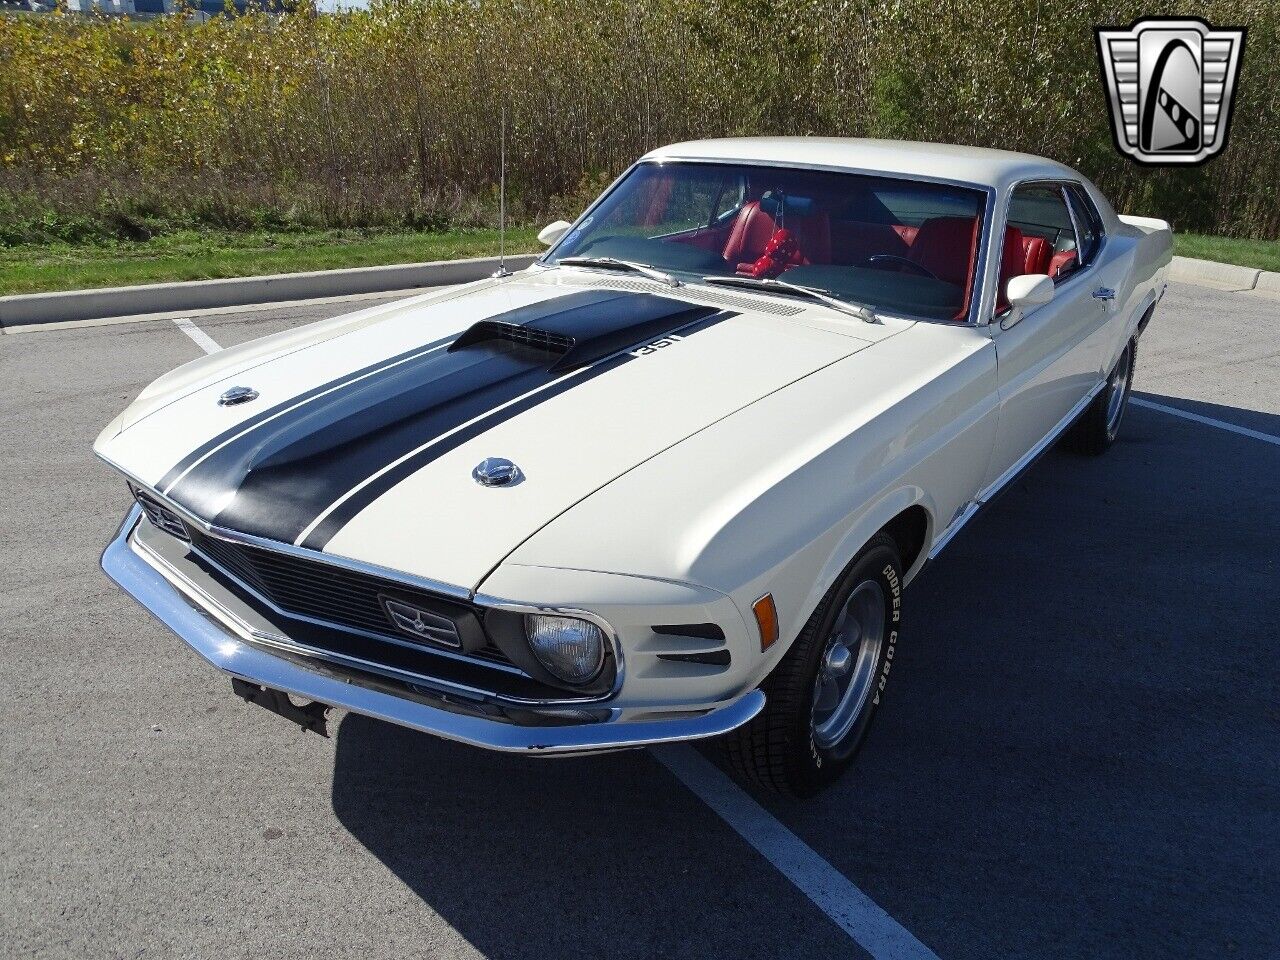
(1075, 228)
(1096, 222)
(988, 212)
(1062, 183)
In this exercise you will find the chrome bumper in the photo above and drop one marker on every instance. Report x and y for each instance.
(223, 647)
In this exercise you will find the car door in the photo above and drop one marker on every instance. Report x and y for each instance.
(1048, 360)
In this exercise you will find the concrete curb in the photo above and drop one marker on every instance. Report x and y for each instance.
(160, 298)
(61, 306)
(1223, 276)
(1268, 283)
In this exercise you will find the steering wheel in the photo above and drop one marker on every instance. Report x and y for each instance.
(911, 265)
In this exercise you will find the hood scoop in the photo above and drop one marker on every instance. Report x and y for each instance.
(579, 329)
(489, 330)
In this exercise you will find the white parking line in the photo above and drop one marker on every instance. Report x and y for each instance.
(1208, 421)
(851, 909)
(202, 339)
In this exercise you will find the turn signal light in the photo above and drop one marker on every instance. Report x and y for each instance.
(767, 619)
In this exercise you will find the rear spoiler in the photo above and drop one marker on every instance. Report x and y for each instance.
(1147, 224)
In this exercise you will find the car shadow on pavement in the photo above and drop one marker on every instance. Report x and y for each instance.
(1077, 757)
(556, 858)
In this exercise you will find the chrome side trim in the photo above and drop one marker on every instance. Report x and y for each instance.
(955, 527)
(988, 494)
(221, 643)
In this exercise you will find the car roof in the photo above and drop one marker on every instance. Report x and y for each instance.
(976, 165)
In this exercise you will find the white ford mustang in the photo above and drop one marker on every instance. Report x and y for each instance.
(669, 482)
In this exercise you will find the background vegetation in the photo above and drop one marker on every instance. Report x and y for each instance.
(387, 119)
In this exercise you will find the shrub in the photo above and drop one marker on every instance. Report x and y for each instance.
(388, 117)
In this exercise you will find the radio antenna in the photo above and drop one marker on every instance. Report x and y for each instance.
(502, 270)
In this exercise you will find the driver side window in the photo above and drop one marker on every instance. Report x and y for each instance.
(1040, 236)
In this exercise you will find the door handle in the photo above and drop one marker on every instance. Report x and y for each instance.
(1104, 293)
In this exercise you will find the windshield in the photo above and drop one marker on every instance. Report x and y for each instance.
(903, 246)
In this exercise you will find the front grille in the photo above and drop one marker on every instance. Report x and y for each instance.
(330, 594)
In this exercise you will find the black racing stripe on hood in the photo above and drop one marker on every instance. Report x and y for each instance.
(196, 455)
(275, 478)
(344, 512)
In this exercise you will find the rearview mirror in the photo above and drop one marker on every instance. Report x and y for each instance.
(552, 232)
(1026, 293)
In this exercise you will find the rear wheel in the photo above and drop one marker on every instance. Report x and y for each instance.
(823, 694)
(1099, 425)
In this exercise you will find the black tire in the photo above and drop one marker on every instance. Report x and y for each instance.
(1098, 426)
(778, 749)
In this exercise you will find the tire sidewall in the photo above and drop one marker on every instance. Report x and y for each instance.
(816, 766)
(1113, 430)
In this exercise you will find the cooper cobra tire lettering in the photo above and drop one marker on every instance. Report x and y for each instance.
(778, 748)
(891, 641)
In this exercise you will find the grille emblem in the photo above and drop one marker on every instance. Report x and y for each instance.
(237, 395)
(496, 472)
(422, 623)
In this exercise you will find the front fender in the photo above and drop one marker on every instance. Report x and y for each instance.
(874, 519)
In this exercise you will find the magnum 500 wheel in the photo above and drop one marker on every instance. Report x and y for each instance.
(1099, 425)
(825, 691)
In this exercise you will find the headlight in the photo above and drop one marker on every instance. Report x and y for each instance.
(571, 649)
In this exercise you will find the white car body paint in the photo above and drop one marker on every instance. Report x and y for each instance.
(755, 456)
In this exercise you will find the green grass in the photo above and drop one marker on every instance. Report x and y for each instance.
(209, 255)
(206, 255)
(1260, 254)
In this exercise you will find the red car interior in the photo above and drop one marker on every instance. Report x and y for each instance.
(1060, 263)
(945, 246)
(747, 249)
(857, 240)
(1036, 254)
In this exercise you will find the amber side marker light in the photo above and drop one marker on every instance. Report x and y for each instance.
(767, 619)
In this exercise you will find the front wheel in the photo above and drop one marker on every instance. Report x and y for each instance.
(1099, 425)
(825, 691)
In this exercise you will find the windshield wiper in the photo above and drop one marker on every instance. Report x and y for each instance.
(613, 263)
(862, 311)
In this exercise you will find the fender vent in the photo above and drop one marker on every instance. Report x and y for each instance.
(716, 658)
(710, 632)
(706, 631)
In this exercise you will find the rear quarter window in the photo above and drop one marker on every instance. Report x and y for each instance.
(1090, 222)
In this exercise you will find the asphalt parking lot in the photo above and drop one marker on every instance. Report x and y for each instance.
(1079, 756)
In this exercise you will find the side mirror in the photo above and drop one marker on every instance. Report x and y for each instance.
(552, 232)
(1026, 293)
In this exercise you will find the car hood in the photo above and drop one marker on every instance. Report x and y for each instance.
(365, 433)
